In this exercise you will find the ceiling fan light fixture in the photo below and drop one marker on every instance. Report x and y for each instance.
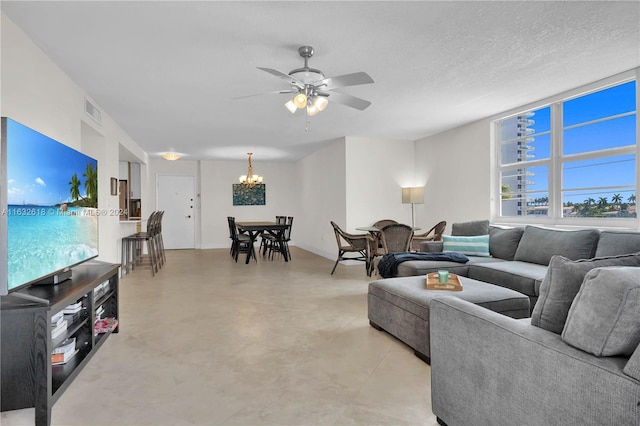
(291, 106)
(312, 110)
(300, 100)
(321, 103)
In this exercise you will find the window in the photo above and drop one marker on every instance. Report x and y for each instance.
(574, 158)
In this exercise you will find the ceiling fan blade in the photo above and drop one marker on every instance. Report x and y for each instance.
(347, 100)
(353, 79)
(291, 80)
(277, 92)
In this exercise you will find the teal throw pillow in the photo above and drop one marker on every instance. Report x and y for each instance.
(471, 246)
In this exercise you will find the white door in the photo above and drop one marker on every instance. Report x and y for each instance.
(175, 196)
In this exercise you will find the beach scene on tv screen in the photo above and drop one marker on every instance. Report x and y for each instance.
(52, 193)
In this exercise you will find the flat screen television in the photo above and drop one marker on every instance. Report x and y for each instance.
(49, 204)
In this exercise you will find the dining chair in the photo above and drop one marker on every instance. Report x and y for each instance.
(266, 239)
(384, 222)
(433, 234)
(378, 248)
(278, 246)
(240, 243)
(353, 243)
(396, 238)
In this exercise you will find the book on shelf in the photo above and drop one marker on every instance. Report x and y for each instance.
(105, 325)
(59, 329)
(71, 318)
(99, 312)
(57, 359)
(67, 345)
(101, 290)
(55, 318)
(73, 308)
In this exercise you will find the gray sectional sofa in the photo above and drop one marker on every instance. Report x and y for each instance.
(575, 361)
(520, 256)
(490, 369)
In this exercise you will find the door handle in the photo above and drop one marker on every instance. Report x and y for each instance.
(188, 216)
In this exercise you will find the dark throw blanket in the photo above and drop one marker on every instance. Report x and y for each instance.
(388, 265)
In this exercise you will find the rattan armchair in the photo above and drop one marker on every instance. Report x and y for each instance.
(378, 248)
(396, 238)
(433, 234)
(360, 244)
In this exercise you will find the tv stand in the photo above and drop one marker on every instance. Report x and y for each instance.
(27, 377)
(31, 298)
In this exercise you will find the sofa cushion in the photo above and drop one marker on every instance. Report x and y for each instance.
(503, 242)
(476, 227)
(473, 246)
(603, 319)
(539, 244)
(430, 246)
(562, 283)
(518, 276)
(422, 267)
(612, 243)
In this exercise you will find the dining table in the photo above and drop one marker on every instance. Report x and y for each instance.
(256, 228)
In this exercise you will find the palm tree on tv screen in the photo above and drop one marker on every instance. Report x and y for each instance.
(74, 190)
(91, 185)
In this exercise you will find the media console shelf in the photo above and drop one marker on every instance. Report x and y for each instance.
(28, 378)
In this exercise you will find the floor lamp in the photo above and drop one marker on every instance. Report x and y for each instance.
(413, 195)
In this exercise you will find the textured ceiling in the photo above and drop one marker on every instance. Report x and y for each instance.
(169, 72)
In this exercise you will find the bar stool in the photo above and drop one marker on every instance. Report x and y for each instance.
(132, 246)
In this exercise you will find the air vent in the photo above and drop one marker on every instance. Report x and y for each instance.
(92, 111)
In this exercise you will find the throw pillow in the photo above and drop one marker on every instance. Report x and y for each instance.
(603, 319)
(539, 244)
(469, 229)
(473, 246)
(503, 242)
(562, 283)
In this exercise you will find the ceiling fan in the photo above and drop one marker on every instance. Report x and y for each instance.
(313, 90)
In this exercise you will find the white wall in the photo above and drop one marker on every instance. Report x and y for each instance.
(321, 188)
(37, 93)
(376, 171)
(456, 166)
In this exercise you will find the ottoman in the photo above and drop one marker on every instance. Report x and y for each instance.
(400, 306)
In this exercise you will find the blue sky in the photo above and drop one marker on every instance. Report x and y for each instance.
(613, 171)
(39, 168)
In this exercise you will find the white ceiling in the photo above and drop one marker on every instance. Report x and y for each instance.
(168, 72)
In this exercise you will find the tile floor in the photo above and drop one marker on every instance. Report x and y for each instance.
(211, 342)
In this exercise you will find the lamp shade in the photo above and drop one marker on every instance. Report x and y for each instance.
(300, 100)
(413, 195)
(291, 106)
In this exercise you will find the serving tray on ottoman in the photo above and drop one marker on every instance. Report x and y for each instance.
(453, 284)
(400, 306)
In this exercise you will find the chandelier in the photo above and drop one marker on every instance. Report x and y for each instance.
(250, 180)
